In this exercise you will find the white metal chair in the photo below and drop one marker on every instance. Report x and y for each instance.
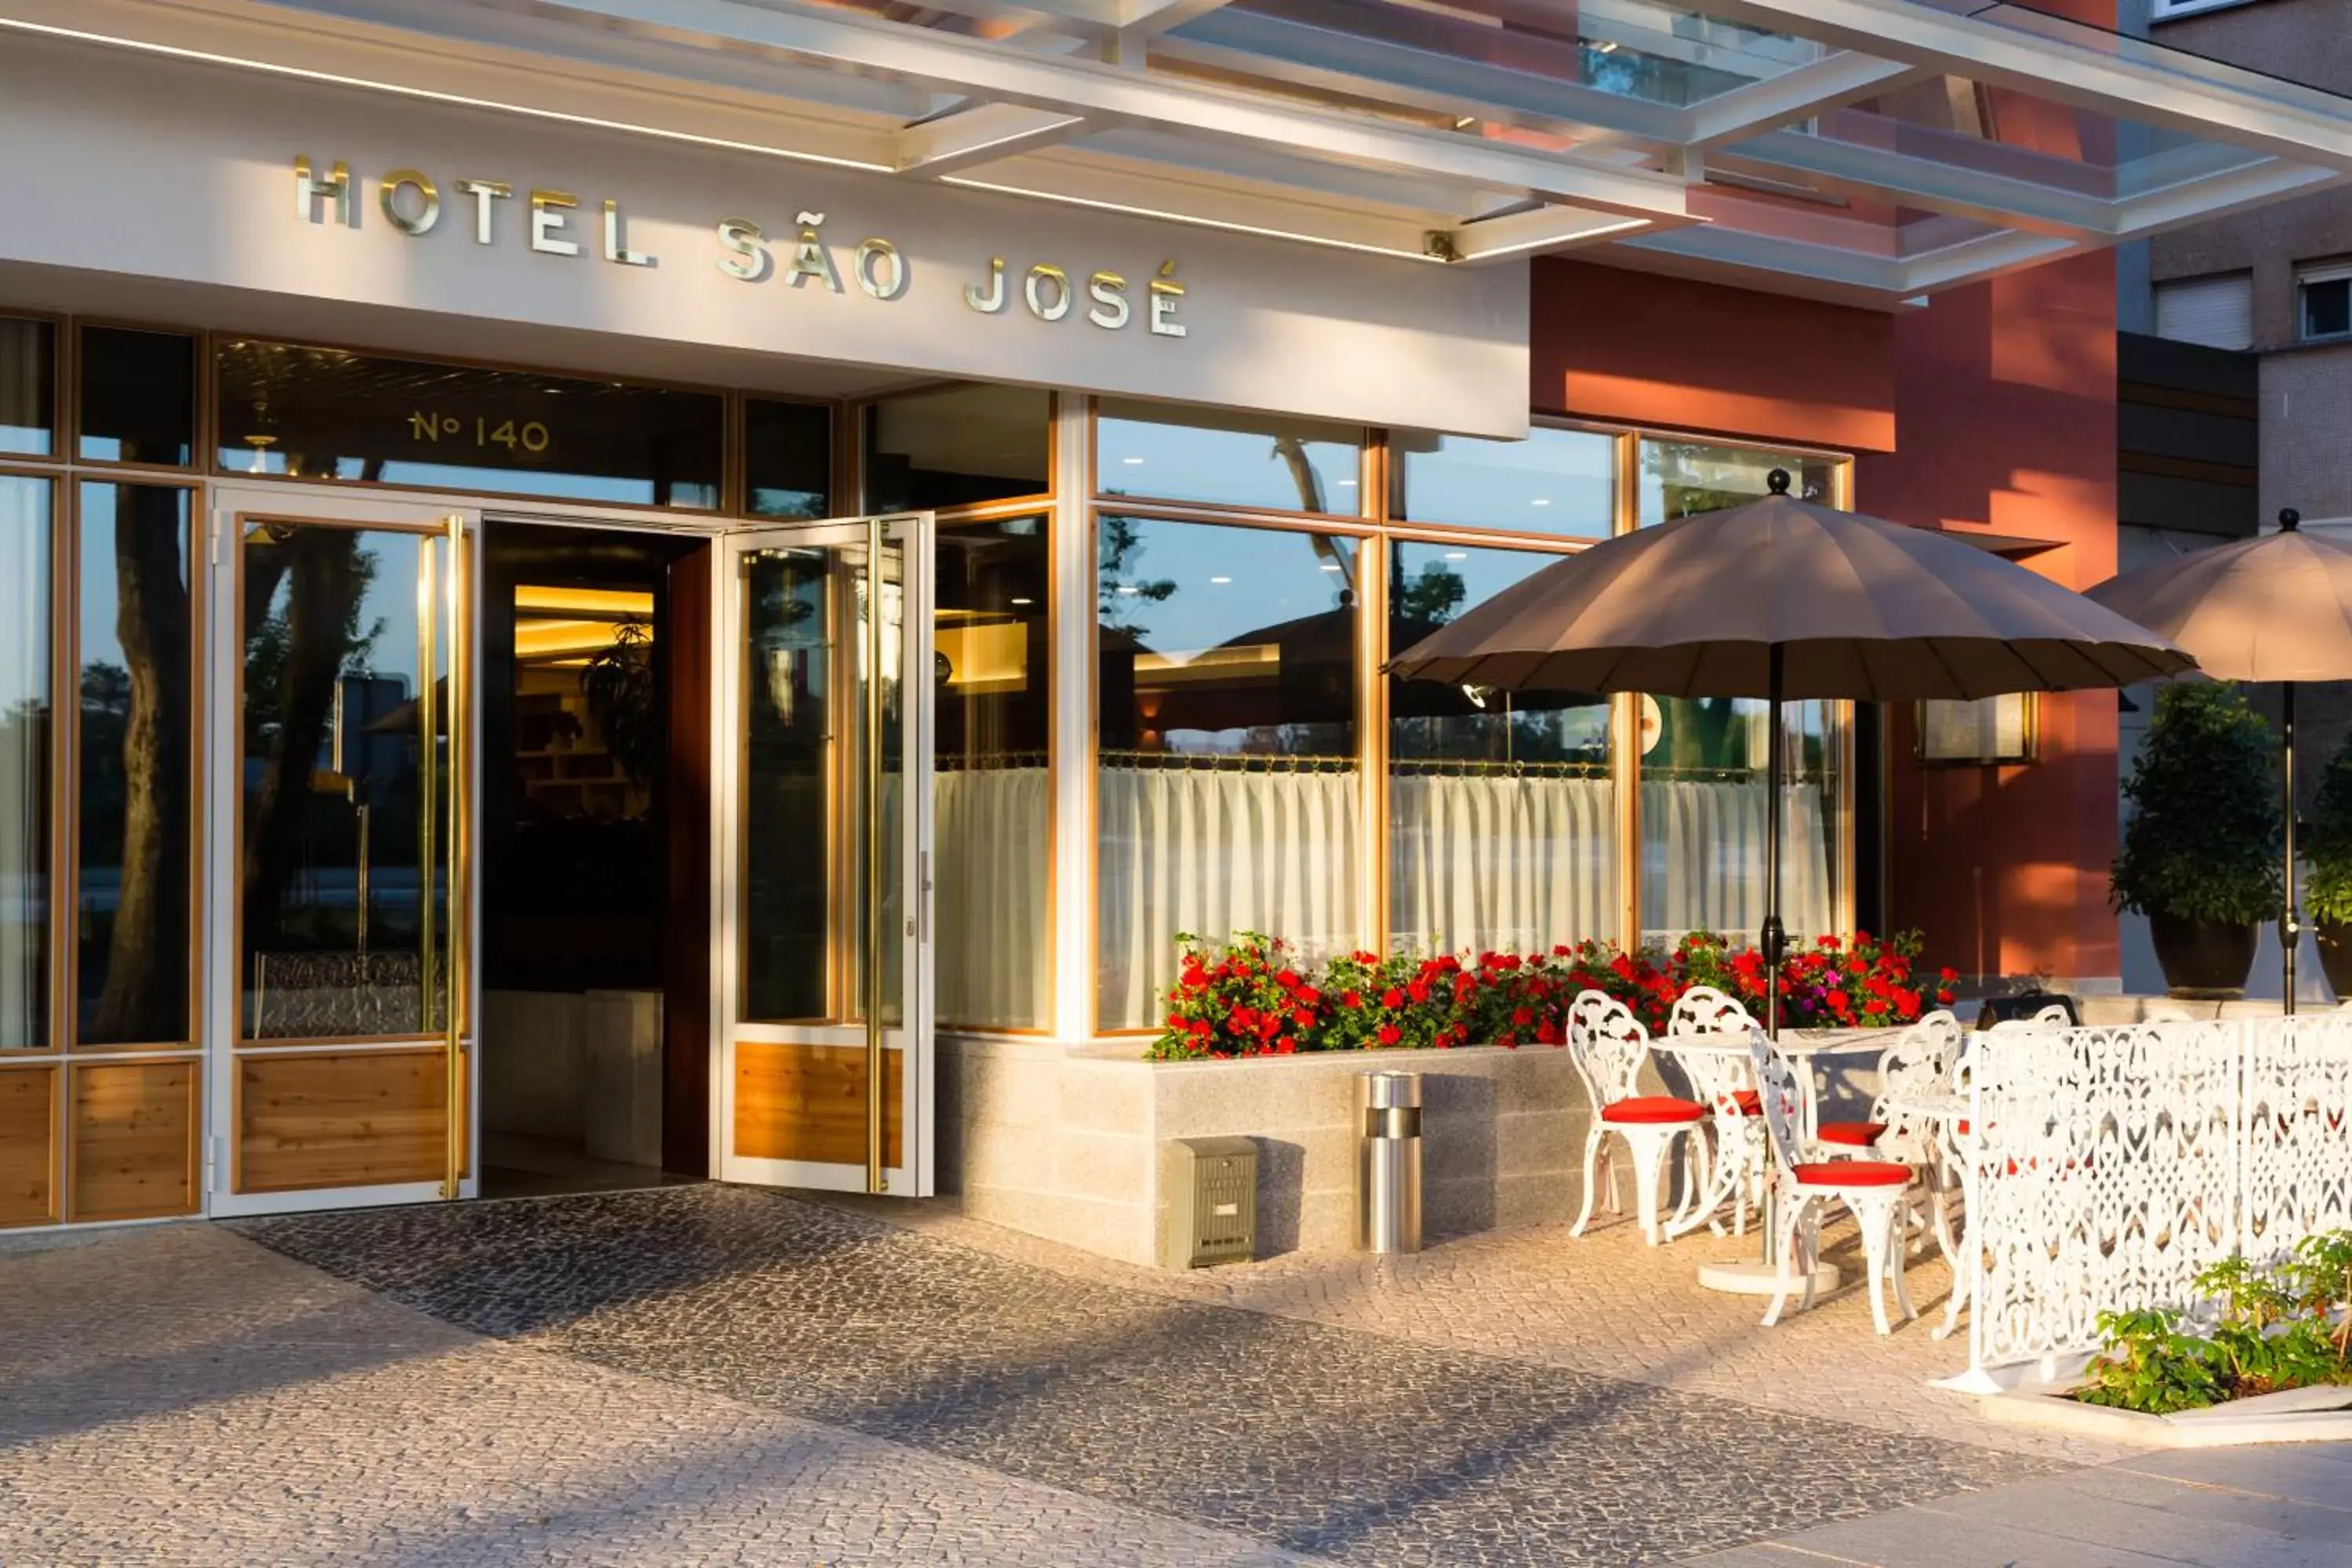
(1874, 1190)
(1720, 1081)
(1609, 1046)
(1919, 1062)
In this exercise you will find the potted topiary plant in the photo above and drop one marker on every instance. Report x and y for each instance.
(2326, 848)
(2200, 856)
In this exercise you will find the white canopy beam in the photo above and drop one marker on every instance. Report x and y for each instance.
(984, 133)
(1091, 90)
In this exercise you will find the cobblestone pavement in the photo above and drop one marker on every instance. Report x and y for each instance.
(1270, 1426)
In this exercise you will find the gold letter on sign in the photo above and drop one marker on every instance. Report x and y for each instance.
(1110, 292)
(1033, 289)
(881, 270)
(307, 192)
(428, 209)
(615, 248)
(747, 250)
(484, 193)
(547, 210)
(991, 301)
(1166, 293)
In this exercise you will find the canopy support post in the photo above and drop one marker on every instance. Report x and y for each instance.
(2291, 919)
(1776, 939)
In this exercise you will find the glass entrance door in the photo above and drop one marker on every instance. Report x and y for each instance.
(341, 792)
(822, 801)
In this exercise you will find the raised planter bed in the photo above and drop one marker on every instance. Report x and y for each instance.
(1063, 1141)
(2292, 1415)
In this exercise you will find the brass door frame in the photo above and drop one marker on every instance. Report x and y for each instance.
(849, 973)
(449, 542)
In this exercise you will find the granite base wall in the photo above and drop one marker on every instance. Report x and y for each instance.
(1063, 1142)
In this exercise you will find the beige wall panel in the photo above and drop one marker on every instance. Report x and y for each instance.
(362, 1120)
(808, 1102)
(134, 1130)
(27, 1145)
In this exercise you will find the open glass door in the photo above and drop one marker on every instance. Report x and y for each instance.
(339, 942)
(822, 797)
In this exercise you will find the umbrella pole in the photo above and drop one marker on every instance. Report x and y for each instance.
(2291, 922)
(1775, 939)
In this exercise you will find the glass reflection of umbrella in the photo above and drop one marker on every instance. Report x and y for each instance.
(1786, 599)
(2276, 608)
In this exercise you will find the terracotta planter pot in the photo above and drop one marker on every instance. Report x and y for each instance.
(2204, 959)
(2335, 943)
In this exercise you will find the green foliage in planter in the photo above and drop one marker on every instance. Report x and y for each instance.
(2269, 1329)
(2327, 848)
(2204, 843)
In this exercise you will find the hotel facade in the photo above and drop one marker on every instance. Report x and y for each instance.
(608, 589)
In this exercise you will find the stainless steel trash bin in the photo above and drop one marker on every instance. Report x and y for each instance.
(1388, 1162)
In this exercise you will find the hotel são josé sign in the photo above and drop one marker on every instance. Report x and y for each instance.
(551, 223)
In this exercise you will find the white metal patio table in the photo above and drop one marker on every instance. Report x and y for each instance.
(1760, 1276)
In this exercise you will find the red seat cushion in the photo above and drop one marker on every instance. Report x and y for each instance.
(1855, 1174)
(1749, 1102)
(1653, 1108)
(1855, 1134)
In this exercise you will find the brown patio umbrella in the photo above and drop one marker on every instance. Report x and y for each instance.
(2277, 607)
(1782, 598)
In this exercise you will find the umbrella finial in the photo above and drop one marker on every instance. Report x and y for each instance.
(1776, 482)
(2289, 520)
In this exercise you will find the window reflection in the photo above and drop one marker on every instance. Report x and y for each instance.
(957, 445)
(992, 790)
(1555, 481)
(1501, 813)
(788, 783)
(788, 458)
(344, 698)
(135, 765)
(1228, 791)
(1682, 478)
(138, 396)
(1177, 453)
(27, 386)
(25, 505)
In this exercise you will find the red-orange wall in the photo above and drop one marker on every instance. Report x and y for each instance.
(1993, 407)
(1639, 349)
(2006, 420)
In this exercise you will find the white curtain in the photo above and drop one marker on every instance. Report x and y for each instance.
(1211, 851)
(1703, 849)
(25, 720)
(1502, 862)
(992, 870)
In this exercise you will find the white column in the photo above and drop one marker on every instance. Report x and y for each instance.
(1072, 609)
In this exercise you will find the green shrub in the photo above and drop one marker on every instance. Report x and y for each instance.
(2328, 846)
(2272, 1329)
(2203, 842)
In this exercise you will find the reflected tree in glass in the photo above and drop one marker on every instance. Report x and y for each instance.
(135, 764)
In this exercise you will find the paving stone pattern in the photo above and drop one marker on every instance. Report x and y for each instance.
(1308, 1438)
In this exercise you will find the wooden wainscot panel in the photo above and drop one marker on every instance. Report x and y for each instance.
(808, 1102)
(362, 1120)
(134, 1139)
(28, 1149)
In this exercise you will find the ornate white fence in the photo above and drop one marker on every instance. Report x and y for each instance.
(2109, 1166)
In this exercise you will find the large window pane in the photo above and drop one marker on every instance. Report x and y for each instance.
(24, 730)
(1228, 793)
(312, 413)
(993, 792)
(1502, 816)
(1680, 478)
(790, 602)
(1703, 817)
(957, 445)
(138, 396)
(340, 736)
(136, 772)
(28, 361)
(1177, 453)
(788, 458)
(1555, 481)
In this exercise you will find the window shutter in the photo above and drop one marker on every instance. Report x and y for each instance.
(2217, 312)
